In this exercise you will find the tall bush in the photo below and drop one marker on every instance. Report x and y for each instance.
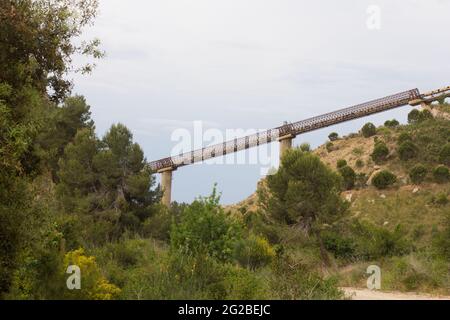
(369, 130)
(384, 179)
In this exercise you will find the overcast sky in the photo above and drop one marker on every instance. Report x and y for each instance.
(254, 64)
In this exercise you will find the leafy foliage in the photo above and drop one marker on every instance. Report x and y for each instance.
(37, 42)
(94, 285)
(416, 116)
(391, 123)
(407, 150)
(369, 130)
(305, 192)
(384, 179)
(418, 173)
(294, 281)
(380, 152)
(349, 177)
(330, 146)
(306, 147)
(364, 241)
(204, 228)
(341, 163)
(333, 136)
(404, 136)
(441, 174)
(254, 252)
(107, 180)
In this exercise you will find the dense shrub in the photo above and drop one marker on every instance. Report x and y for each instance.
(369, 130)
(295, 281)
(364, 241)
(341, 246)
(444, 155)
(333, 136)
(205, 228)
(441, 174)
(180, 276)
(94, 285)
(418, 173)
(304, 190)
(407, 150)
(349, 177)
(413, 116)
(425, 115)
(404, 136)
(392, 123)
(242, 284)
(303, 187)
(380, 152)
(158, 225)
(254, 252)
(305, 147)
(341, 163)
(375, 242)
(415, 273)
(359, 163)
(384, 179)
(330, 146)
(416, 116)
(262, 225)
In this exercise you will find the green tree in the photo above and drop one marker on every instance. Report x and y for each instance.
(333, 136)
(37, 42)
(391, 123)
(369, 130)
(62, 125)
(404, 136)
(304, 191)
(35, 54)
(425, 115)
(380, 152)
(108, 179)
(15, 194)
(349, 177)
(414, 116)
(441, 174)
(384, 179)
(407, 150)
(418, 173)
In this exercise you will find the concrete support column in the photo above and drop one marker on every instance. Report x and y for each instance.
(285, 144)
(166, 185)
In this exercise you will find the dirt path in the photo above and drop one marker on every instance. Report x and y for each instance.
(366, 294)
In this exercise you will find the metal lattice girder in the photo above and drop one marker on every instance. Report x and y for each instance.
(291, 129)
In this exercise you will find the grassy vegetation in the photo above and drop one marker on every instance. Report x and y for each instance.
(71, 198)
(445, 107)
(403, 228)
